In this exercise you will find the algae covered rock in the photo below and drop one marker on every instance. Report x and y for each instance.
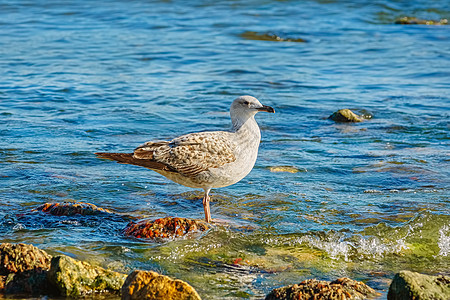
(345, 115)
(287, 169)
(142, 285)
(77, 278)
(164, 228)
(71, 209)
(412, 285)
(342, 289)
(416, 21)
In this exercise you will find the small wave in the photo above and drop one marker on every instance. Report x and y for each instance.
(338, 246)
(444, 241)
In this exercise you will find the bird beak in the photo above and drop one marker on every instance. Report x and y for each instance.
(266, 108)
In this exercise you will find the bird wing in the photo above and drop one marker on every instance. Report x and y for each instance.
(190, 154)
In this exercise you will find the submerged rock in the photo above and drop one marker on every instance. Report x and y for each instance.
(342, 289)
(345, 115)
(141, 285)
(75, 278)
(71, 208)
(269, 36)
(412, 285)
(164, 228)
(288, 169)
(23, 269)
(416, 21)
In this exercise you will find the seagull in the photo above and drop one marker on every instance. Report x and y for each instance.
(205, 160)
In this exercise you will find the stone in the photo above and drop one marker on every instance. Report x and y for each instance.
(164, 228)
(269, 36)
(416, 21)
(345, 115)
(342, 289)
(17, 258)
(287, 169)
(23, 269)
(146, 285)
(71, 209)
(412, 285)
(75, 278)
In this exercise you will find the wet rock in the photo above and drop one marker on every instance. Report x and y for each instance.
(416, 21)
(345, 115)
(26, 283)
(288, 169)
(71, 209)
(269, 36)
(342, 288)
(23, 269)
(75, 278)
(18, 258)
(164, 228)
(412, 285)
(141, 285)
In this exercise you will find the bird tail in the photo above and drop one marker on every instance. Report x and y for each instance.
(125, 158)
(128, 158)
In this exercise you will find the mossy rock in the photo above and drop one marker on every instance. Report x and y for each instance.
(416, 21)
(75, 278)
(412, 285)
(345, 115)
(286, 169)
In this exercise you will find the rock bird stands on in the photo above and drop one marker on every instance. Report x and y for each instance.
(206, 160)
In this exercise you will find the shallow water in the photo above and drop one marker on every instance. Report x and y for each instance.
(369, 199)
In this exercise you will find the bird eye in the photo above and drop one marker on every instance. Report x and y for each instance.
(246, 103)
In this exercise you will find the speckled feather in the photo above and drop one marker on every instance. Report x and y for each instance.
(190, 154)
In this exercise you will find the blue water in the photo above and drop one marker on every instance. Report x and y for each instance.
(370, 199)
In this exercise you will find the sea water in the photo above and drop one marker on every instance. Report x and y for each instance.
(362, 200)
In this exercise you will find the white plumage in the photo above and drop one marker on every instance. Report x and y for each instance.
(205, 160)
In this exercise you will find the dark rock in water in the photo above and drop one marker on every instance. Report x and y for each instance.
(23, 269)
(71, 208)
(411, 285)
(416, 21)
(164, 228)
(269, 36)
(75, 278)
(150, 285)
(342, 289)
(345, 115)
(26, 283)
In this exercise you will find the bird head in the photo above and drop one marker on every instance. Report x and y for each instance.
(245, 105)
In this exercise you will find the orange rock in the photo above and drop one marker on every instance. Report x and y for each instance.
(164, 228)
(17, 258)
(71, 208)
(143, 285)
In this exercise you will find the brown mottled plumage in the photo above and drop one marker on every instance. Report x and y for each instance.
(208, 159)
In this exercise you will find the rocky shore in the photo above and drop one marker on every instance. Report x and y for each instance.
(28, 271)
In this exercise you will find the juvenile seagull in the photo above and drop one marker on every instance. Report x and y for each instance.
(206, 160)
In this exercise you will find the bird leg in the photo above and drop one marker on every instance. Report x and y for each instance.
(206, 206)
